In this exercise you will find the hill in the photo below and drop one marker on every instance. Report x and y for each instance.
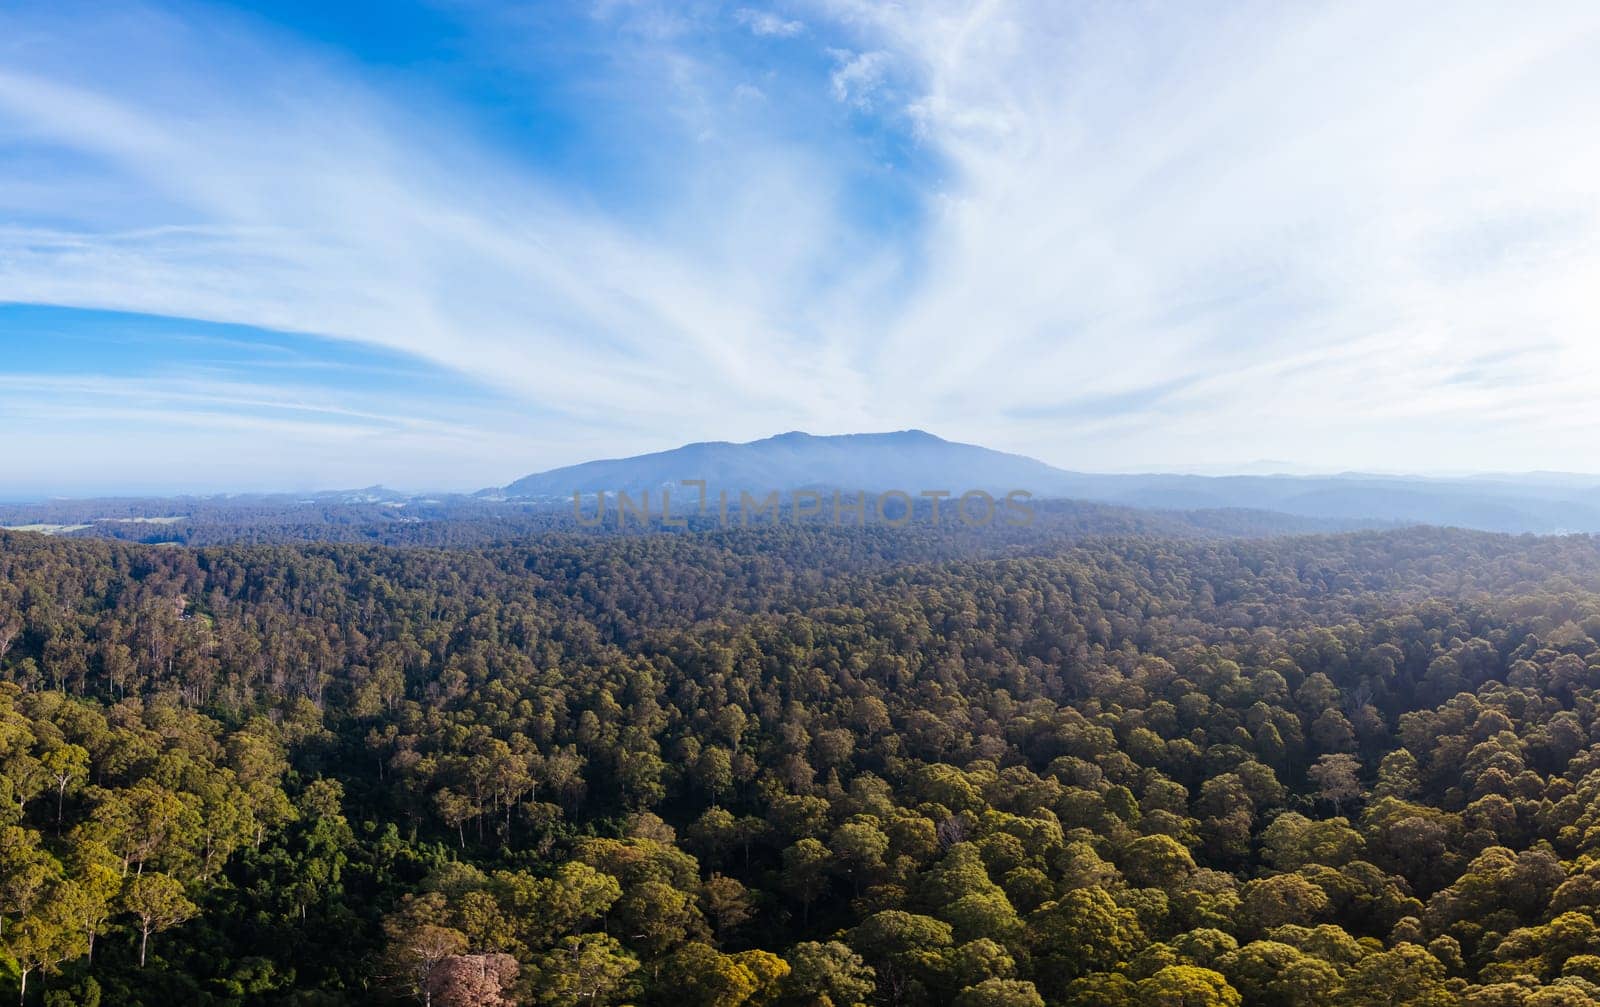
(915, 460)
(907, 460)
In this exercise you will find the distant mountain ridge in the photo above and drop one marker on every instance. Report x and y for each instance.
(906, 460)
(914, 460)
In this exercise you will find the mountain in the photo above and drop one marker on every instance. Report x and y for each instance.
(911, 461)
(906, 460)
(915, 460)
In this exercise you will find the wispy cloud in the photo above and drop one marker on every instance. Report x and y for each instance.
(859, 76)
(1109, 235)
(768, 24)
(1256, 204)
(273, 188)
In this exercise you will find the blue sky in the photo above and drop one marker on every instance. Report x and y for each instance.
(440, 245)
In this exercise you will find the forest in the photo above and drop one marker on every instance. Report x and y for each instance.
(1103, 762)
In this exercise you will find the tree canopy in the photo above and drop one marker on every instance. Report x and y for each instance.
(803, 766)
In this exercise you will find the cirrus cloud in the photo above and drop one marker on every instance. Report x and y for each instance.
(1110, 236)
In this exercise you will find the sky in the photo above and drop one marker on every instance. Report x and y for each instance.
(441, 245)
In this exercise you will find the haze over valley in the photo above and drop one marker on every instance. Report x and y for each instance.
(913, 462)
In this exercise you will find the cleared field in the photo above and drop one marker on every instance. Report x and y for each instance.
(47, 529)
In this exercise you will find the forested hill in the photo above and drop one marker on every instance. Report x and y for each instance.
(803, 766)
(462, 522)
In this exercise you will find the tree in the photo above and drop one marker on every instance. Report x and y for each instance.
(24, 872)
(639, 773)
(969, 964)
(827, 971)
(455, 810)
(1000, 993)
(1397, 775)
(1293, 841)
(418, 946)
(658, 917)
(906, 949)
(28, 778)
(859, 846)
(1102, 989)
(1274, 974)
(703, 977)
(546, 909)
(960, 873)
(1404, 976)
(68, 767)
(157, 901)
(1083, 931)
(984, 915)
(727, 902)
(1280, 899)
(1338, 778)
(1187, 986)
(472, 981)
(142, 823)
(1157, 862)
(44, 938)
(714, 834)
(805, 872)
(587, 969)
(714, 772)
(90, 899)
(769, 971)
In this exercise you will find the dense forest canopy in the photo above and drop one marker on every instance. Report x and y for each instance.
(1071, 765)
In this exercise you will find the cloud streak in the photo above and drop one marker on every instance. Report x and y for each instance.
(1306, 213)
(768, 24)
(315, 212)
(1129, 236)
